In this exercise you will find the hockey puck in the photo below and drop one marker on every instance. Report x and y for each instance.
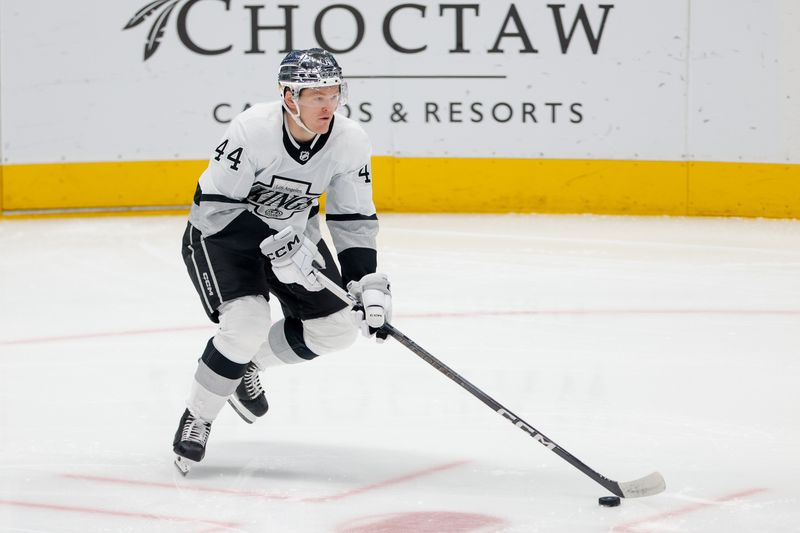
(609, 501)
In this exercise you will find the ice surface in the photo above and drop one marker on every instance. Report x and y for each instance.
(638, 344)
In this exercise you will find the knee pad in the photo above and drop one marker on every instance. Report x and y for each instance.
(330, 333)
(294, 341)
(243, 327)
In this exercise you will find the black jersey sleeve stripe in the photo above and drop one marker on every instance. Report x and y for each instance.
(351, 217)
(314, 211)
(219, 198)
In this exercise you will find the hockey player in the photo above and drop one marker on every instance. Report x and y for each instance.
(253, 231)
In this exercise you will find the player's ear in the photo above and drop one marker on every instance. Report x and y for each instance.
(287, 99)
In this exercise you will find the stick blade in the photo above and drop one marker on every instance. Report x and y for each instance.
(646, 486)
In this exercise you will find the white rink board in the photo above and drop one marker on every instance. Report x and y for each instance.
(75, 86)
(744, 102)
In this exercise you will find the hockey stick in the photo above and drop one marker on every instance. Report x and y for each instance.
(645, 486)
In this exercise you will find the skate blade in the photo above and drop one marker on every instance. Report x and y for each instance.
(243, 413)
(183, 464)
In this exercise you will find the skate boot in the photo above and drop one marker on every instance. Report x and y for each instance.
(249, 400)
(190, 440)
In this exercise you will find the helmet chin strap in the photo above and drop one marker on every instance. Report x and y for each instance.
(296, 117)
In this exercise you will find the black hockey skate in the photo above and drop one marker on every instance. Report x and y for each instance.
(190, 440)
(249, 400)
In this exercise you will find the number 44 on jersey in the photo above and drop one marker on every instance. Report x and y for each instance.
(235, 156)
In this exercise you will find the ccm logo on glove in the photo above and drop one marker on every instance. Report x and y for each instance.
(375, 316)
(374, 294)
(287, 247)
(292, 258)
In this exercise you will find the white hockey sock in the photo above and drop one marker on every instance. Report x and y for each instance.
(203, 403)
(266, 356)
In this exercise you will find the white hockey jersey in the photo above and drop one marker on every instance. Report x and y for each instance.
(259, 170)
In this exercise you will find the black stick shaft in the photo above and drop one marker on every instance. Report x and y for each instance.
(608, 484)
(493, 404)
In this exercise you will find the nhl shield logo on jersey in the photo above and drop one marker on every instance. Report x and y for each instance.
(304, 155)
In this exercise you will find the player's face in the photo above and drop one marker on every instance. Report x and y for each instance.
(317, 106)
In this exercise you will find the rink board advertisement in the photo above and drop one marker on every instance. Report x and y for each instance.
(628, 106)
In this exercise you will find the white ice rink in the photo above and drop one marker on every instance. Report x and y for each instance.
(638, 344)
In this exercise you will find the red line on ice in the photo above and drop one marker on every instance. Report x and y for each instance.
(107, 512)
(267, 496)
(84, 336)
(386, 483)
(604, 312)
(633, 527)
(155, 484)
(452, 314)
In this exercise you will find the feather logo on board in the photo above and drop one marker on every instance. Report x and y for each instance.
(156, 32)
